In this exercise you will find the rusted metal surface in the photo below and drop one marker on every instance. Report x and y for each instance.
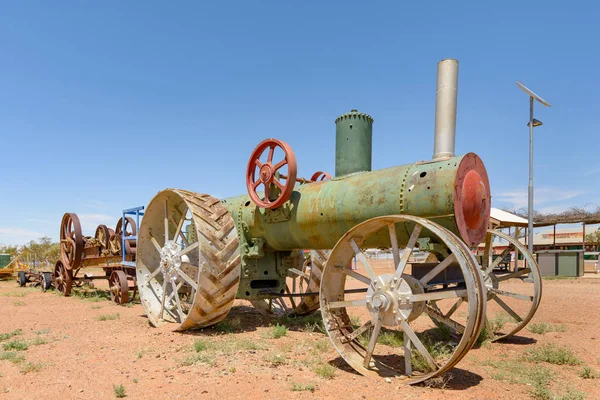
(320, 213)
(103, 250)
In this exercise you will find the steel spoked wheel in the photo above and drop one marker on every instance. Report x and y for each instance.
(513, 283)
(302, 280)
(63, 278)
(46, 281)
(373, 310)
(71, 241)
(188, 279)
(119, 287)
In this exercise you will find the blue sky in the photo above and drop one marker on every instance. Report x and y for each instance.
(103, 104)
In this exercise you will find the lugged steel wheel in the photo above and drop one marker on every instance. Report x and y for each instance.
(300, 281)
(63, 278)
(391, 294)
(71, 241)
(513, 283)
(191, 283)
(46, 281)
(119, 287)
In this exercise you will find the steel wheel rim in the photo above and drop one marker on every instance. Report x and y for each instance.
(493, 282)
(345, 337)
(176, 277)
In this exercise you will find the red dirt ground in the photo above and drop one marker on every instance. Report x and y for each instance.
(84, 357)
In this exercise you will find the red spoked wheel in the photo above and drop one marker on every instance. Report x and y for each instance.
(267, 176)
(320, 176)
(71, 241)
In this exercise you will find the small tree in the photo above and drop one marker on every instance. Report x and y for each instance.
(593, 239)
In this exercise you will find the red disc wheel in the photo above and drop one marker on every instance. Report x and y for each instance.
(63, 278)
(267, 177)
(320, 176)
(71, 241)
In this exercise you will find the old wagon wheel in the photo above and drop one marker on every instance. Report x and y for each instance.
(269, 172)
(118, 287)
(46, 281)
(513, 283)
(71, 241)
(102, 236)
(193, 283)
(390, 297)
(300, 281)
(130, 227)
(22, 278)
(63, 278)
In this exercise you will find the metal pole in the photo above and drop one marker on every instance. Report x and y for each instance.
(530, 206)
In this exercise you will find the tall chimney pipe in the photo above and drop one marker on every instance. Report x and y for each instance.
(445, 108)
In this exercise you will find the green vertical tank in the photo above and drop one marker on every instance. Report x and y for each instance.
(4, 260)
(353, 140)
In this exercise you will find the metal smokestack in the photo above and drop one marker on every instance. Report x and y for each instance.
(445, 108)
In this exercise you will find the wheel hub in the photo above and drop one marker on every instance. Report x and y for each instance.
(266, 173)
(170, 259)
(392, 299)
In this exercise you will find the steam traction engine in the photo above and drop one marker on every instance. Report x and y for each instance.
(197, 254)
(113, 250)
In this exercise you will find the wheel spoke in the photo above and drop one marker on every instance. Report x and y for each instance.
(278, 184)
(443, 294)
(453, 309)
(170, 297)
(436, 315)
(279, 164)
(487, 251)
(407, 355)
(506, 308)
(348, 303)
(408, 251)
(189, 280)
(179, 309)
(179, 226)
(394, 242)
(153, 274)
(357, 276)
(287, 289)
(155, 243)
(357, 332)
(164, 297)
(189, 248)
(363, 260)
(438, 269)
(166, 224)
(271, 152)
(258, 163)
(497, 261)
(373, 341)
(417, 342)
(511, 294)
(256, 184)
(512, 275)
